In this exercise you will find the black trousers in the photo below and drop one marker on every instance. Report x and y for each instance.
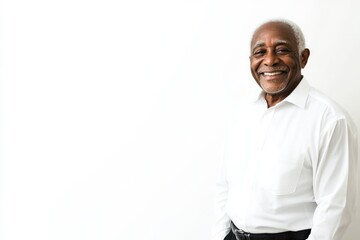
(231, 236)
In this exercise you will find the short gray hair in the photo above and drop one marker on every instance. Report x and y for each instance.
(300, 39)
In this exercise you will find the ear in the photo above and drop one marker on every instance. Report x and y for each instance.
(304, 57)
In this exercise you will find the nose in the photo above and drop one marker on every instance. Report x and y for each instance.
(270, 59)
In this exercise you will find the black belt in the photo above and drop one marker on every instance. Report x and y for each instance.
(242, 235)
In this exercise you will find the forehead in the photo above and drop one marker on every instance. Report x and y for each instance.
(274, 32)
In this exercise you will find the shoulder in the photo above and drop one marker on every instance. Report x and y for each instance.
(245, 102)
(323, 103)
(328, 110)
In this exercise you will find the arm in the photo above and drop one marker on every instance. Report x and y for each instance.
(221, 225)
(335, 182)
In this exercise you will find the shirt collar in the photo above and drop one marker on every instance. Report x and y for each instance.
(297, 97)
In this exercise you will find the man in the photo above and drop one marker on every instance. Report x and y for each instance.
(290, 157)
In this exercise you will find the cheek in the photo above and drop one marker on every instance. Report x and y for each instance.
(294, 66)
(297, 67)
(254, 72)
(254, 66)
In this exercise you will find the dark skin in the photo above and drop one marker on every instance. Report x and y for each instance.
(275, 61)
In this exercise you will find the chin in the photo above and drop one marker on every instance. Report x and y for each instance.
(272, 90)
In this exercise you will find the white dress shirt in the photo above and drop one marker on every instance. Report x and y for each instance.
(289, 167)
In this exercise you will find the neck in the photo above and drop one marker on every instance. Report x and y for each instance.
(272, 100)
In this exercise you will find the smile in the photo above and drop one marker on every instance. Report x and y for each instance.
(272, 73)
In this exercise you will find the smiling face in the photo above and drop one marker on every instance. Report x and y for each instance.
(275, 60)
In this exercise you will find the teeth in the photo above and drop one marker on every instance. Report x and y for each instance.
(271, 73)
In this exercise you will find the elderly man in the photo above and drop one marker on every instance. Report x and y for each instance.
(289, 169)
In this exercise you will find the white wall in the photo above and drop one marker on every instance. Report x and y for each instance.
(112, 111)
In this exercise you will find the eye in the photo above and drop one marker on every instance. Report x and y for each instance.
(259, 52)
(282, 51)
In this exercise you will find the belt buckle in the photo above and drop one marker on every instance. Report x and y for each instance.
(240, 232)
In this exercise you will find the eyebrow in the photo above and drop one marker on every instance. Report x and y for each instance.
(258, 44)
(281, 42)
(262, 43)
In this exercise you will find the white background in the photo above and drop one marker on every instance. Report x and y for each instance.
(113, 111)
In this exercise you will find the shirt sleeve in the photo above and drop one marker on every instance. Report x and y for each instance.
(221, 225)
(335, 181)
